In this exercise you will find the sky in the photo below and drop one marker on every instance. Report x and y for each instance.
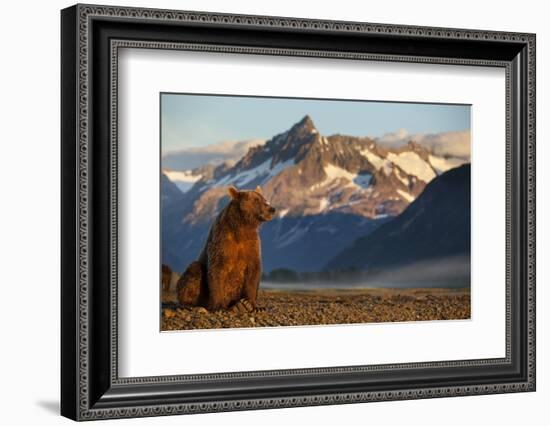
(189, 121)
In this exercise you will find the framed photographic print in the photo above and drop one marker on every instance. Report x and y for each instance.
(263, 212)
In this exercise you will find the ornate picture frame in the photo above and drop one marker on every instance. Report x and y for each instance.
(91, 37)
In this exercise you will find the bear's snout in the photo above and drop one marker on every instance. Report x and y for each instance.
(267, 213)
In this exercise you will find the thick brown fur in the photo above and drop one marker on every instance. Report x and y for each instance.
(191, 288)
(229, 267)
(166, 276)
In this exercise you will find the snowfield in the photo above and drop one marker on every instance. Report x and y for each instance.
(184, 180)
(323, 204)
(405, 195)
(333, 172)
(442, 165)
(412, 164)
(378, 162)
(283, 213)
(264, 171)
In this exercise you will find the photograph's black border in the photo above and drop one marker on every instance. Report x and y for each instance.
(90, 386)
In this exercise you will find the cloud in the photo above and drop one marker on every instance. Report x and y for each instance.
(230, 148)
(455, 144)
(226, 151)
(398, 138)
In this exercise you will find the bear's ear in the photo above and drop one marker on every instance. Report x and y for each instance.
(259, 190)
(233, 192)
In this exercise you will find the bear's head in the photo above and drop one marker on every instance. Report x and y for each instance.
(252, 204)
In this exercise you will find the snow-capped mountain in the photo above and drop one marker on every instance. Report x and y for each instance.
(318, 184)
(183, 180)
(304, 173)
(434, 228)
(169, 190)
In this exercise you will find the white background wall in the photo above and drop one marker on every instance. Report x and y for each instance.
(29, 213)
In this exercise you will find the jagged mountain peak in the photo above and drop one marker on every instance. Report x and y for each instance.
(282, 148)
(301, 133)
(304, 173)
(305, 124)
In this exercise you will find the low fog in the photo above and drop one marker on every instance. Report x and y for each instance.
(452, 272)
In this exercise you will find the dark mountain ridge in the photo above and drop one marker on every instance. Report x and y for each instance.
(434, 226)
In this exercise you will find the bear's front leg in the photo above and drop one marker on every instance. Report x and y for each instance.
(216, 296)
(252, 282)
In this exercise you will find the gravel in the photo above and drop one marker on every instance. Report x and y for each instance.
(278, 308)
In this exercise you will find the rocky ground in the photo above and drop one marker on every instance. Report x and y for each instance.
(297, 308)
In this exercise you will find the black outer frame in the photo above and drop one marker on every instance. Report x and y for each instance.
(90, 387)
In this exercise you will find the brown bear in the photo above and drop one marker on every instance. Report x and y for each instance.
(166, 277)
(169, 285)
(229, 266)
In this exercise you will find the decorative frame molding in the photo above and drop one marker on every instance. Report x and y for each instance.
(91, 388)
